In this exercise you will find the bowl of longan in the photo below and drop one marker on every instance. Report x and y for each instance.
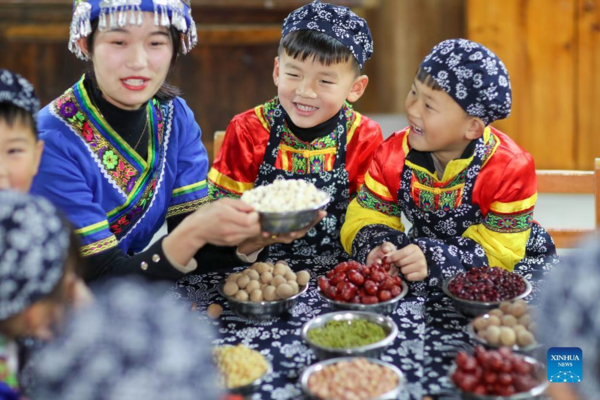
(264, 290)
(509, 325)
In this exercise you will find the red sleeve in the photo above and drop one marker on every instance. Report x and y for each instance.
(364, 141)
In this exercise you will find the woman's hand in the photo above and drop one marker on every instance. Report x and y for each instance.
(225, 222)
(411, 261)
(266, 239)
(377, 255)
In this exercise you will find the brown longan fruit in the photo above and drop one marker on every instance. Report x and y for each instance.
(284, 291)
(278, 280)
(497, 312)
(233, 277)
(242, 281)
(266, 277)
(518, 328)
(294, 286)
(518, 309)
(256, 295)
(242, 295)
(493, 320)
(280, 269)
(525, 320)
(269, 293)
(492, 335)
(253, 275)
(214, 311)
(507, 336)
(230, 288)
(479, 324)
(525, 339)
(252, 286)
(262, 268)
(504, 306)
(290, 276)
(509, 320)
(302, 278)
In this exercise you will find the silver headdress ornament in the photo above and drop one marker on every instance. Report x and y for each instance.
(118, 13)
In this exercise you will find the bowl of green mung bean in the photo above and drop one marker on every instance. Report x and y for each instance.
(349, 333)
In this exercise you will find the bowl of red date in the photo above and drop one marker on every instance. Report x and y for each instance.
(482, 289)
(353, 286)
(498, 375)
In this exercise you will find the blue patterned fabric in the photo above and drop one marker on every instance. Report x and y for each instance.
(338, 22)
(119, 13)
(132, 343)
(16, 90)
(473, 76)
(34, 244)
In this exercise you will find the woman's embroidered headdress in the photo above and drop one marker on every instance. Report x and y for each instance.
(118, 13)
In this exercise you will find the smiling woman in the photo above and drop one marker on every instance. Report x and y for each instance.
(123, 151)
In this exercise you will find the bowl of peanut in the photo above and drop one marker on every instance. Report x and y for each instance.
(349, 378)
(286, 206)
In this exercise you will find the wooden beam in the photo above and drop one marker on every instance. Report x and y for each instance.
(571, 182)
(568, 238)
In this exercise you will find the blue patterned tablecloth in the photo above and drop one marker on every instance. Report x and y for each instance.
(431, 331)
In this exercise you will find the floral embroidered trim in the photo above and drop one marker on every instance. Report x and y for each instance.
(99, 246)
(300, 157)
(368, 200)
(509, 223)
(187, 207)
(216, 192)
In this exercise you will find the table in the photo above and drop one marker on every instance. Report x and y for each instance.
(431, 331)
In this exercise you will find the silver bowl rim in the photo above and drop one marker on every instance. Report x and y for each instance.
(526, 293)
(365, 307)
(289, 213)
(319, 365)
(302, 289)
(250, 387)
(475, 336)
(386, 341)
(535, 391)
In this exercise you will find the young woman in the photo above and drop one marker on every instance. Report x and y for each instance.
(123, 151)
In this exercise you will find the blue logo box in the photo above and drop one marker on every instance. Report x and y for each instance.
(565, 364)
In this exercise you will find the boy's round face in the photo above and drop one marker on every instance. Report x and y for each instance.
(437, 123)
(20, 155)
(310, 92)
(132, 63)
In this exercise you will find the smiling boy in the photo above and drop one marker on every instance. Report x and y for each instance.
(309, 131)
(468, 189)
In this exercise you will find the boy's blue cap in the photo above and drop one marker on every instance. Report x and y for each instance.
(336, 21)
(16, 90)
(133, 342)
(119, 13)
(473, 76)
(34, 243)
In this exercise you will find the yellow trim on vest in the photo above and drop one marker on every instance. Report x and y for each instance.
(226, 182)
(88, 228)
(378, 188)
(514, 206)
(355, 125)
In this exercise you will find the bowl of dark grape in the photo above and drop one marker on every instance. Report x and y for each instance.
(480, 290)
(498, 374)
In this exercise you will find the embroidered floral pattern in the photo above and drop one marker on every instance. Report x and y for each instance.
(217, 192)
(509, 223)
(187, 207)
(367, 199)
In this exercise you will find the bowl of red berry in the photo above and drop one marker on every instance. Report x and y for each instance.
(498, 374)
(480, 290)
(353, 286)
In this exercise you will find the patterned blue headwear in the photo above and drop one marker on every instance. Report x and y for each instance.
(132, 343)
(118, 13)
(34, 243)
(338, 22)
(473, 76)
(16, 90)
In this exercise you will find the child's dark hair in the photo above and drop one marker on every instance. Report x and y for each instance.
(12, 115)
(166, 91)
(303, 44)
(427, 80)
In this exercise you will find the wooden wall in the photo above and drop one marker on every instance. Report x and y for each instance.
(552, 52)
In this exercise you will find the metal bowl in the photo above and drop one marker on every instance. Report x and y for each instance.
(386, 307)
(472, 308)
(535, 393)
(254, 385)
(261, 310)
(374, 350)
(392, 394)
(531, 350)
(290, 221)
